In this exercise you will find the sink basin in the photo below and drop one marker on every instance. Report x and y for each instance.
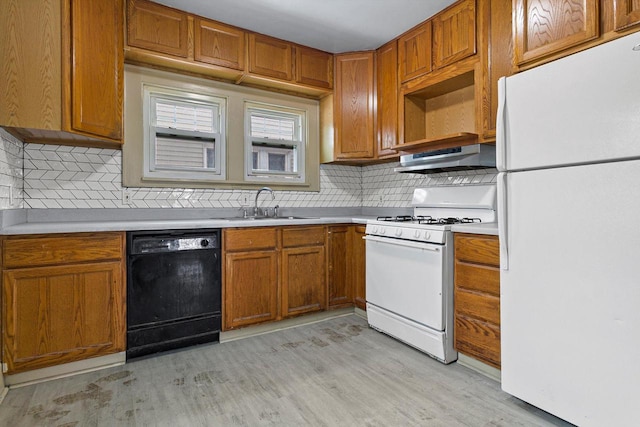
(262, 218)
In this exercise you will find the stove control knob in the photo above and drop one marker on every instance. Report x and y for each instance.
(374, 229)
(417, 234)
(398, 232)
(383, 230)
(427, 235)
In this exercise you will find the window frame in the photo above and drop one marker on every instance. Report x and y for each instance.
(299, 143)
(151, 171)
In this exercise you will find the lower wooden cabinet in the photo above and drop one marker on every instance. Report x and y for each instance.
(340, 284)
(477, 297)
(303, 270)
(63, 299)
(251, 288)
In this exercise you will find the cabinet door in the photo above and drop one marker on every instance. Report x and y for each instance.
(358, 267)
(219, 44)
(353, 108)
(96, 66)
(454, 33)
(62, 314)
(157, 28)
(250, 288)
(545, 27)
(340, 285)
(314, 67)
(627, 13)
(303, 280)
(270, 57)
(387, 98)
(414, 52)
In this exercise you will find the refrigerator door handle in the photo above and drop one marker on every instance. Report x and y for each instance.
(503, 224)
(501, 137)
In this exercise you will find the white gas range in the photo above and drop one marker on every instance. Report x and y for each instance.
(409, 262)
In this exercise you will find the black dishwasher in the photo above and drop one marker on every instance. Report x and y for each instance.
(173, 290)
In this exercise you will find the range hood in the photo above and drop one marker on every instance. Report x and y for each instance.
(476, 156)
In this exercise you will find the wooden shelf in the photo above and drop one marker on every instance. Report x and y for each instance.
(444, 141)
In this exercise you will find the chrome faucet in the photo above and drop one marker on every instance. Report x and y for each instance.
(256, 210)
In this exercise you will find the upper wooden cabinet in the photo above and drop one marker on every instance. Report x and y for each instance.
(171, 39)
(270, 57)
(219, 44)
(158, 28)
(314, 67)
(546, 27)
(454, 33)
(414, 52)
(63, 71)
(627, 13)
(387, 99)
(354, 106)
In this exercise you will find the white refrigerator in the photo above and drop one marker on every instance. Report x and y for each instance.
(568, 155)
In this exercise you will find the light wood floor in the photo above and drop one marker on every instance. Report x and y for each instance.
(333, 373)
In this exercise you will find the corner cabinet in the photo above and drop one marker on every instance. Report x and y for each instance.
(477, 297)
(353, 109)
(63, 298)
(62, 53)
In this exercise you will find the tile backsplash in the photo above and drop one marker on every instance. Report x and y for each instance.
(11, 170)
(52, 176)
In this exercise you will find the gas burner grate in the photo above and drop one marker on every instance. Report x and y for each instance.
(450, 220)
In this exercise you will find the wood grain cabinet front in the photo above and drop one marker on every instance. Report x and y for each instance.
(270, 57)
(414, 52)
(354, 106)
(454, 33)
(303, 270)
(477, 297)
(157, 28)
(546, 27)
(250, 285)
(64, 73)
(338, 269)
(387, 99)
(219, 44)
(358, 266)
(314, 67)
(63, 299)
(627, 14)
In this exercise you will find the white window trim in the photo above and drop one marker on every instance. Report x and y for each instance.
(150, 170)
(274, 176)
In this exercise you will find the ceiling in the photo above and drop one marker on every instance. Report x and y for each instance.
(331, 25)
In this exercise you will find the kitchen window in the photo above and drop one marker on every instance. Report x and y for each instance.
(184, 136)
(274, 143)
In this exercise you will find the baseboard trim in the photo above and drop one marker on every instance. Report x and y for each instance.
(266, 328)
(65, 370)
(478, 366)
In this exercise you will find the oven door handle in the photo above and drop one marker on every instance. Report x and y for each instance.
(405, 243)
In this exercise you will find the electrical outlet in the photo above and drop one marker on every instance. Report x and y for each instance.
(126, 196)
(245, 198)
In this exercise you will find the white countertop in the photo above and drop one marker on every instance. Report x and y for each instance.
(168, 224)
(478, 228)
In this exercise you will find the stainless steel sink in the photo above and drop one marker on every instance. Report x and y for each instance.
(262, 218)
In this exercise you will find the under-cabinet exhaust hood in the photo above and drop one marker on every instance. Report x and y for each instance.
(476, 156)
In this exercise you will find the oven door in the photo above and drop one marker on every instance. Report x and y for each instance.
(407, 278)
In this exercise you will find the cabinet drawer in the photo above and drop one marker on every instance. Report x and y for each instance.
(478, 339)
(477, 248)
(478, 278)
(242, 239)
(482, 307)
(302, 236)
(40, 250)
